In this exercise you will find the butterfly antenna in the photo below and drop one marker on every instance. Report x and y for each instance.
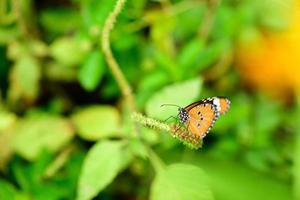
(169, 105)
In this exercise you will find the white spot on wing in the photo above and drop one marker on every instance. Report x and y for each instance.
(216, 102)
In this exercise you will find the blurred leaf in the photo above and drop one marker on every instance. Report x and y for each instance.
(51, 19)
(180, 94)
(6, 149)
(275, 14)
(189, 21)
(150, 83)
(6, 137)
(24, 79)
(238, 113)
(138, 148)
(181, 181)
(67, 51)
(166, 63)
(7, 34)
(267, 117)
(55, 72)
(296, 156)
(210, 54)
(90, 74)
(227, 21)
(94, 12)
(34, 134)
(7, 191)
(189, 54)
(97, 122)
(7, 119)
(101, 165)
(161, 31)
(233, 181)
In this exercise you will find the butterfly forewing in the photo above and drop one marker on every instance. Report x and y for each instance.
(224, 105)
(201, 118)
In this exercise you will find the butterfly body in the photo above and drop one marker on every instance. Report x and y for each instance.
(200, 116)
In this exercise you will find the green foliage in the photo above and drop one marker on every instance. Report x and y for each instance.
(177, 94)
(87, 122)
(34, 134)
(102, 163)
(179, 181)
(69, 129)
(92, 71)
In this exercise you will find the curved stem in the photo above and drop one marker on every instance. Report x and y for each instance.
(111, 61)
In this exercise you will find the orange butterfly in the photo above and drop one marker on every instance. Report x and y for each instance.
(200, 116)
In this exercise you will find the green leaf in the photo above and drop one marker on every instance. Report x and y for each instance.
(34, 134)
(8, 34)
(180, 94)
(189, 54)
(296, 168)
(51, 19)
(7, 123)
(97, 122)
(181, 182)
(101, 165)
(267, 117)
(7, 191)
(24, 79)
(67, 51)
(231, 180)
(92, 71)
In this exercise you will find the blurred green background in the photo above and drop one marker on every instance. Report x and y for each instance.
(65, 129)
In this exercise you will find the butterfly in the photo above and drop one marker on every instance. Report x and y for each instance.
(200, 116)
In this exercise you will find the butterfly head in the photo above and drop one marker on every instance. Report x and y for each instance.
(183, 115)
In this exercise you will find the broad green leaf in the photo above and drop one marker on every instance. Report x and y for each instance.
(92, 70)
(180, 94)
(34, 134)
(24, 79)
(181, 182)
(101, 165)
(67, 51)
(97, 122)
(231, 180)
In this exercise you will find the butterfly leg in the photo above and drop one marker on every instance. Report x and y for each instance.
(170, 118)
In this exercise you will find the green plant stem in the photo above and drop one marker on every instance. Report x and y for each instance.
(152, 123)
(58, 163)
(111, 61)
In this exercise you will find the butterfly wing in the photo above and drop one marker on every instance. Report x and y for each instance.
(224, 105)
(201, 118)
